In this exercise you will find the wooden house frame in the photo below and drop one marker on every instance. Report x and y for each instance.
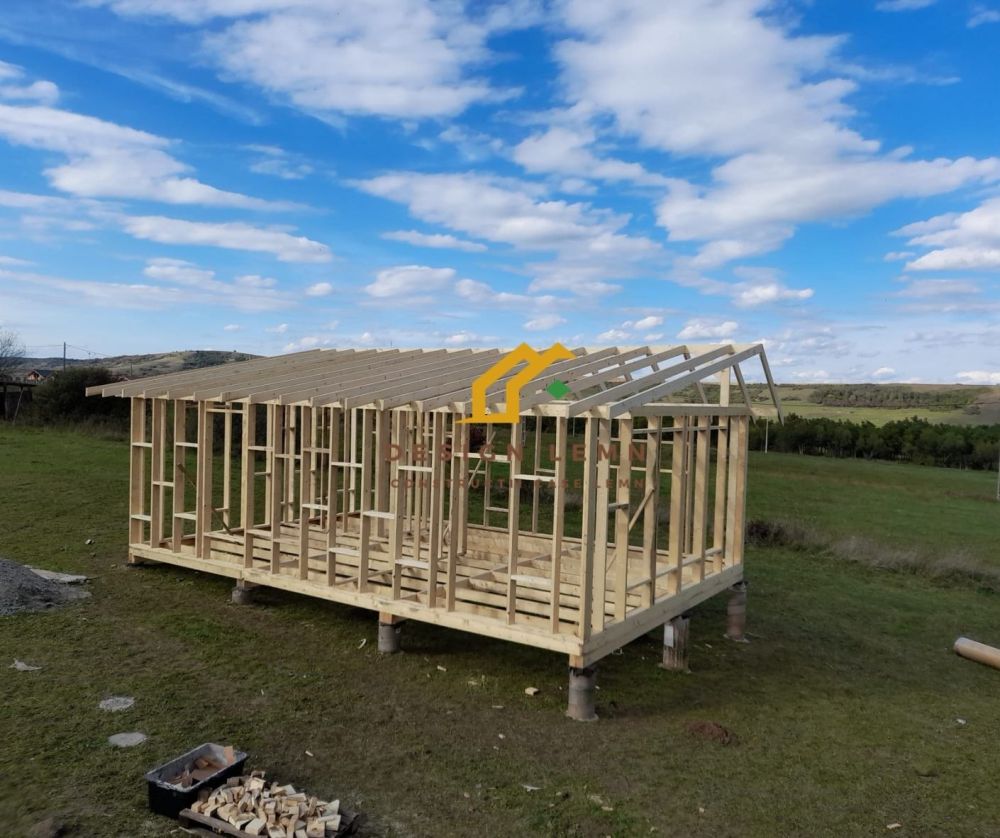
(349, 475)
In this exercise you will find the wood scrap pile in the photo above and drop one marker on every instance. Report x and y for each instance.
(201, 769)
(256, 807)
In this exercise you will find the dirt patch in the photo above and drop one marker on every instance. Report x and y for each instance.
(712, 732)
(22, 589)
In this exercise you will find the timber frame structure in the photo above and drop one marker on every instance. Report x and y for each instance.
(349, 475)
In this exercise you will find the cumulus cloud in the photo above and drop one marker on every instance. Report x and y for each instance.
(482, 294)
(957, 241)
(565, 150)
(778, 117)
(650, 322)
(410, 281)
(232, 235)
(703, 329)
(507, 211)
(544, 322)
(434, 240)
(108, 160)
(979, 377)
(14, 86)
(319, 289)
(392, 58)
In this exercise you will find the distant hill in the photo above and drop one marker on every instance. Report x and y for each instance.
(961, 404)
(141, 366)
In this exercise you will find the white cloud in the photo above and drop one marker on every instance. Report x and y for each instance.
(13, 87)
(255, 281)
(176, 283)
(435, 240)
(777, 114)
(231, 327)
(924, 288)
(564, 150)
(279, 163)
(409, 281)
(898, 255)
(508, 212)
(280, 329)
(394, 58)
(107, 160)
(613, 335)
(237, 294)
(960, 241)
(231, 235)
(982, 15)
(177, 270)
(482, 294)
(544, 322)
(979, 377)
(883, 372)
(319, 289)
(750, 295)
(650, 322)
(903, 5)
(703, 329)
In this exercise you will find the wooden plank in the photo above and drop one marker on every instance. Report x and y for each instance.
(180, 485)
(513, 522)
(307, 441)
(247, 481)
(678, 498)
(137, 470)
(278, 468)
(703, 442)
(623, 494)
(558, 517)
(651, 489)
(602, 497)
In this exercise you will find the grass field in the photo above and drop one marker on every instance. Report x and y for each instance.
(846, 703)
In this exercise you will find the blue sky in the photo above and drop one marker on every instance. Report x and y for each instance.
(271, 175)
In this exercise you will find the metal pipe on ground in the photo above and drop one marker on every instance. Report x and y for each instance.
(979, 652)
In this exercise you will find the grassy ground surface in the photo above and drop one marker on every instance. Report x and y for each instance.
(846, 703)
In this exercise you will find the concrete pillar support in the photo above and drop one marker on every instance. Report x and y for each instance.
(388, 637)
(582, 686)
(243, 593)
(736, 613)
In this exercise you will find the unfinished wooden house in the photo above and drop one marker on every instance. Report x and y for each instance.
(571, 500)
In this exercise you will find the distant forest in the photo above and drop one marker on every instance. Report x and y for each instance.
(887, 395)
(906, 440)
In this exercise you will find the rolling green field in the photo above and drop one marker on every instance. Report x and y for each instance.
(849, 709)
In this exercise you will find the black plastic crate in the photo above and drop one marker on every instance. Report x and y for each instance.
(168, 799)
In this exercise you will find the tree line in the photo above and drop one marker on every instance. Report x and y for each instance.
(888, 395)
(904, 440)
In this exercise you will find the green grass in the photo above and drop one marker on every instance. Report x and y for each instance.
(845, 703)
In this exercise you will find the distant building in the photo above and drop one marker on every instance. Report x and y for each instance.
(37, 376)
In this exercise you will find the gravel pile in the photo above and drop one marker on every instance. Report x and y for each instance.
(22, 589)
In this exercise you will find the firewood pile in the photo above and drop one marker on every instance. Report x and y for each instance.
(255, 807)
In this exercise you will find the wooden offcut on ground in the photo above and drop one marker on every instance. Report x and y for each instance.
(356, 477)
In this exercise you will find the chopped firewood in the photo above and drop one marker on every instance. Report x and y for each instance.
(271, 810)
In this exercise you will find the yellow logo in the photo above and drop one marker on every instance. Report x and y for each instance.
(535, 363)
